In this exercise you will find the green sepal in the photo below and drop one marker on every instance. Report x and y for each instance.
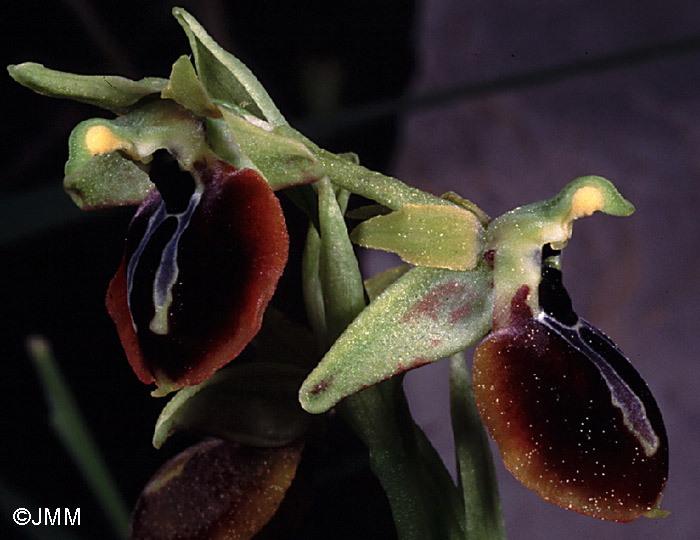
(184, 88)
(107, 181)
(282, 161)
(226, 79)
(253, 404)
(425, 315)
(114, 93)
(425, 235)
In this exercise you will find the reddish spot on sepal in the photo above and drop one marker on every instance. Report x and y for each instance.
(550, 411)
(229, 257)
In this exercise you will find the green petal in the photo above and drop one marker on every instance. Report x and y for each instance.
(225, 78)
(426, 315)
(425, 235)
(184, 88)
(110, 92)
(282, 161)
(254, 404)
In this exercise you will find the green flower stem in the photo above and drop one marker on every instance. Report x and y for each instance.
(72, 430)
(422, 496)
(476, 474)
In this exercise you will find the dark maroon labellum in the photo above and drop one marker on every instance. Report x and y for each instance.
(201, 264)
(573, 419)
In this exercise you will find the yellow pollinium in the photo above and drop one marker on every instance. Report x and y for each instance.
(585, 201)
(102, 140)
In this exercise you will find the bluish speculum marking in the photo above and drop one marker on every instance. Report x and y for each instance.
(596, 347)
(167, 272)
(558, 315)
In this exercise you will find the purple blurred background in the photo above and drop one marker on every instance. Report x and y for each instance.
(635, 278)
(635, 122)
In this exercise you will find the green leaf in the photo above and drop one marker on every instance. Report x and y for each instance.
(426, 315)
(476, 476)
(254, 404)
(184, 88)
(69, 425)
(282, 161)
(425, 235)
(106, 181)
(114, 93)
(225, 78)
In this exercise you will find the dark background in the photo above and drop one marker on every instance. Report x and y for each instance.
(336, 73)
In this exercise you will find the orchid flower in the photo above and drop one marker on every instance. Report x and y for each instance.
(204, 155)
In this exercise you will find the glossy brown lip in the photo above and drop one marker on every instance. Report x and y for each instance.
(229, 259)
(558, 428)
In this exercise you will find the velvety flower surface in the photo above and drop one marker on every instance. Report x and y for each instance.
(215, 490)
(203, 256)
(573, 419)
